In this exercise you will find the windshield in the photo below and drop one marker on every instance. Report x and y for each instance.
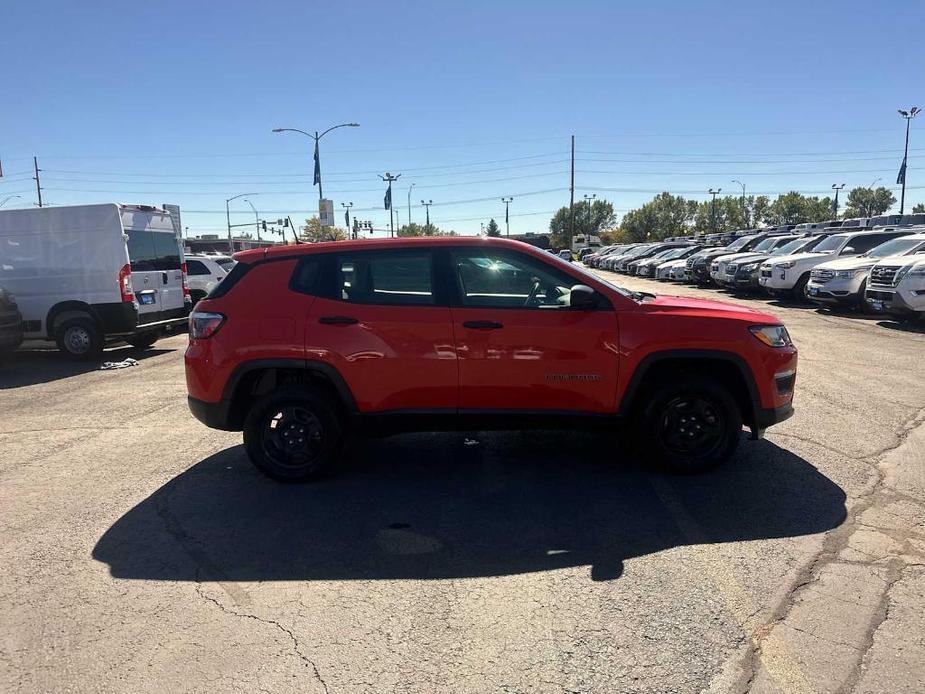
(739, 243)
(831, 244)
(895, 247)
(765, 245)
(792, 247)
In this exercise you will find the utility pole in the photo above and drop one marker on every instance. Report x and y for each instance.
(714, 193)
(38, 182)
(588, 199)
(571, 199)
(836, 188)
(409, 204)
(347, 206)
(507, 222)
(427, 205)
(388, 201)
(901, 178)
(744, 208)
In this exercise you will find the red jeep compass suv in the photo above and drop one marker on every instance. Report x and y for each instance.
(301, 345)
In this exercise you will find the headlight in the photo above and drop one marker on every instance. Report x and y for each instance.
(750, 267)
(917, 270)
(848, 274)
(785, 266)
(772, 335)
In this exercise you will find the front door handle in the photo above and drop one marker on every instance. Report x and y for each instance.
(337, 320)
(482, 324)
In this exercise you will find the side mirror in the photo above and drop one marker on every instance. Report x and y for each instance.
(581, 297)
(847, 250)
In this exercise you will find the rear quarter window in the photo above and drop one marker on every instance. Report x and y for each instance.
(231, 279)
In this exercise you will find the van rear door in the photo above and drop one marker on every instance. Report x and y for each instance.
(157, 274)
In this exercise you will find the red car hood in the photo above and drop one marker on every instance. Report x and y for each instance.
(706, 308)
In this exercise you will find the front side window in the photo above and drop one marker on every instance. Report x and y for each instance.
(493, 279)
(400, 278)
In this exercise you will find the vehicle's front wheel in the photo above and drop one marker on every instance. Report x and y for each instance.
(80, 338)
(799, 289)
(691, 424)
(294, 434)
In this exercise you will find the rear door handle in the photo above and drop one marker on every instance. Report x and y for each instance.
(482, 325)
(337, 320)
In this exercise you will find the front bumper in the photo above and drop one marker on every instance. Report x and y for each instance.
(213, 414)
(771, 416)
(888, 301)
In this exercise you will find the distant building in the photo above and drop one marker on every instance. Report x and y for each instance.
(215, 243)
(538, 240)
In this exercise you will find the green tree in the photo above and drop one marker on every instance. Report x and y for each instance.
(591, 220)
(414, 229)
(313, 232)
(919, 209)
(796, 208)
(493, 228)
(868, 202)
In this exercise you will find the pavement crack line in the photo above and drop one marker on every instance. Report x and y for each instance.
(272, 622)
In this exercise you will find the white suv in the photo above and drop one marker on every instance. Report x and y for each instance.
(789, 275)
(204, 272)
(897, 286)
(843, 281)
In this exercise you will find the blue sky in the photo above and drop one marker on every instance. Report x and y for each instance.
(174, 102)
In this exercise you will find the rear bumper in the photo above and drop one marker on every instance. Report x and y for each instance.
(213, 414)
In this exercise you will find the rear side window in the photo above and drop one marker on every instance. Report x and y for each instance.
(153, 250)
(306, 278)
(395, 278)
(231, 279)
(865, 242)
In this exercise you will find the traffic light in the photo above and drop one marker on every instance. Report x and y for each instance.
(264, 226)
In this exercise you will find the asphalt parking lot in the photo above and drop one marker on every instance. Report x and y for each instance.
(141, 552)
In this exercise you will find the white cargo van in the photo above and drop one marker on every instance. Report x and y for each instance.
(87, 274)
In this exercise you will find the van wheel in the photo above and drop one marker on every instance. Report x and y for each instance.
(294, 434)
(690, 425)
(79, 338)
(143, 340)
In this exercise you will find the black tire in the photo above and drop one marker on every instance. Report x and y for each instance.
(80, 338)
(799, 289)
(690, 424)
(294, 434)
(143, 340)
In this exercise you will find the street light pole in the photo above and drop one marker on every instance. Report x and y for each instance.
(347, 206)
(317, 138)
(9, 197)
(228, 218)
(588, 199)
(744, 208)
(427, 205)
(256, 217)
(507, 221)
(389, 178)
(836, 188)
(908, 115)
(714, 193)
(409, 204)
(870, 198)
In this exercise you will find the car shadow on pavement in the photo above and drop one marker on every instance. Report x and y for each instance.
(917, 326)
(430, 506)
(31, 367)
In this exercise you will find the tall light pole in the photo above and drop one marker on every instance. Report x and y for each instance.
(870, 199)
(714, 193)
(228, 218)
(427, 205)
(317, 138)
(901, 178)
(388, 201)
(409, 203)
(836, 188)
(744, 207)
(589, 199)
(256, 217)
(9, 197)
(507, 217)
(347, 206)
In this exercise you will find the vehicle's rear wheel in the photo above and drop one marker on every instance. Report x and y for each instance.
(294, 434)
(80, 338)
(691, 424)
(143, 340)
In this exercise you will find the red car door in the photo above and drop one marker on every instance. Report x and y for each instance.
(521, 346)
(379, 324)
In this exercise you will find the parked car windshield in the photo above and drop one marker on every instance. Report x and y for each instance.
(738, 243)
(831, 244)
(898, 246)
(792, 247)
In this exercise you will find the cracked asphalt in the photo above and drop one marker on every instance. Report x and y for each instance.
(140, 552)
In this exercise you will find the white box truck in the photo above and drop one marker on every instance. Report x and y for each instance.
(85, 275)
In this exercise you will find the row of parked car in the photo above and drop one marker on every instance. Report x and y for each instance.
(873, 263)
